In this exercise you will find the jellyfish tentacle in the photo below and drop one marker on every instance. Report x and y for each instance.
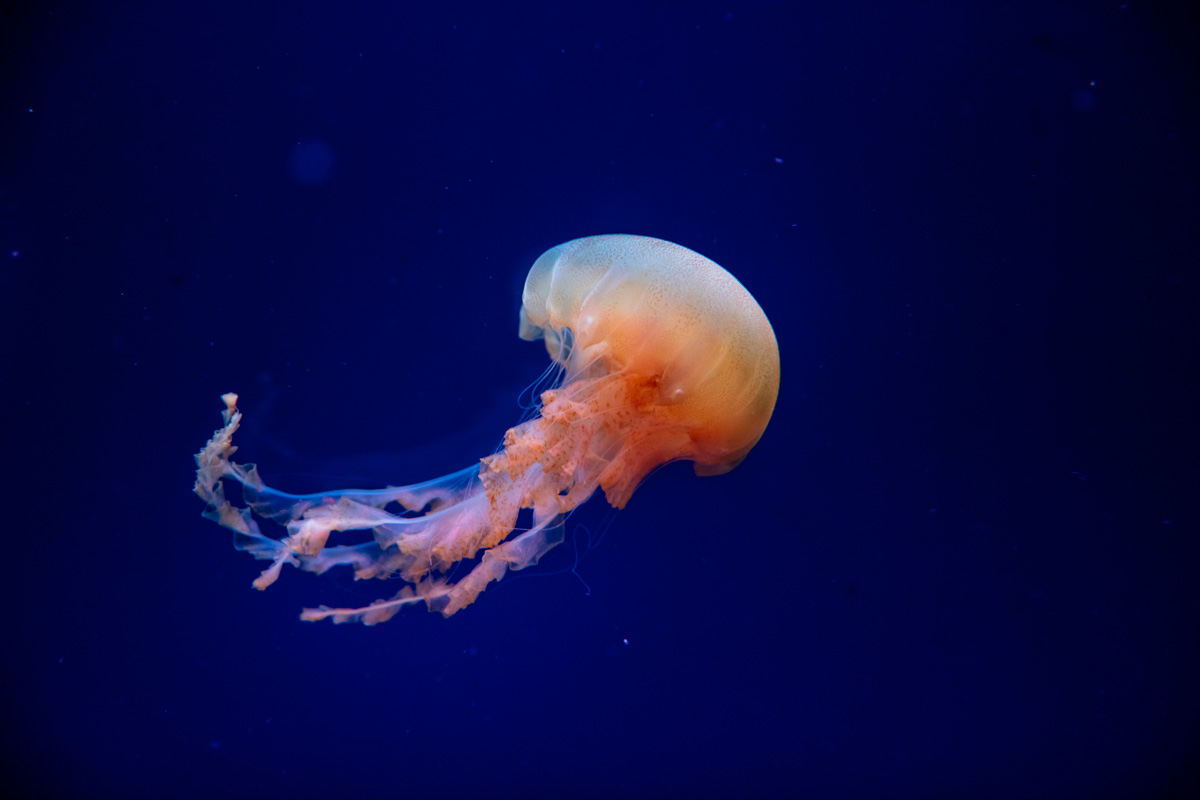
(310, 518)
(437, 494)
(461, 520)
(445, 597)
(378, 611)
(213, 463)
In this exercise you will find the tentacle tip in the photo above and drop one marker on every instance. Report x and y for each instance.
(230, 399)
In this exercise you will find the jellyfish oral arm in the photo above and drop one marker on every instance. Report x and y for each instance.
(455, 525)
(596, 433)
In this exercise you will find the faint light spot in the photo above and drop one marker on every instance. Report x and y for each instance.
(1083, 100)
(15, 253)
(778, 160)
(310, 162)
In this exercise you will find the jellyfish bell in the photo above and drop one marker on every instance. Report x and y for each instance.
(643, 309)
(665, 357)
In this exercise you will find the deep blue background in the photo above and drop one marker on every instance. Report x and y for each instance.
(962, 562)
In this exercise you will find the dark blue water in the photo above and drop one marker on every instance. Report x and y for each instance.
(961, 562)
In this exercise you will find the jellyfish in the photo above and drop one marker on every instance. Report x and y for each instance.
(663, 356)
